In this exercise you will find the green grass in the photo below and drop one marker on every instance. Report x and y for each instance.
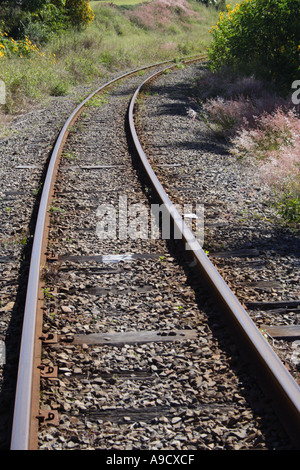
(112, 43)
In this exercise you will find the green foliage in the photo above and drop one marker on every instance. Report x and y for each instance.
(59, 88)
(261, 37)
(41, 26)
(33, 5)
(79, 12)
(21, 48)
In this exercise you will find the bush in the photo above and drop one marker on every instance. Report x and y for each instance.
(79, 12)
(275, 139)
(41, 26)
(259, 125)
(231, 101)
(21, 48)
(261, 37)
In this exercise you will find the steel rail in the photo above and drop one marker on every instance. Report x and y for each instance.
(275, 377)
(29, 348)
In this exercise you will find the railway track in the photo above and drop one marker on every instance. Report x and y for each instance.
(124, 354)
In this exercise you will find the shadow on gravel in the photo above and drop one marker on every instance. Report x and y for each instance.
(202, 145)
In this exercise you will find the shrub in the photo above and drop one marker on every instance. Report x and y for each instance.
(79, 12)
(260, 36)
(225, 116)
(275, 143)
(270, 138)
(260, 125)
(41, 26)
(41, 19)
(231, 101)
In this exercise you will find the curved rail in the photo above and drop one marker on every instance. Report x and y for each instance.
(29, 350)
(273, 371)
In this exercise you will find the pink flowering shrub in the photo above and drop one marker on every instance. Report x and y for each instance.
(271, 135)
(228, 116)
(275, 142)
(224, 117)
(258, 124)
(230, 102)
(160, 13)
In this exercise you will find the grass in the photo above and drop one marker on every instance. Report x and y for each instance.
(117, 40)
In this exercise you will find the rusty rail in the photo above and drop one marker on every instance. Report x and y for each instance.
(26, 413)
(25, 420)
(275, 378)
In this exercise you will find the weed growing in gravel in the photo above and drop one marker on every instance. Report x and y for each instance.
(23, 241)
(47, 293)
(60, 88)
(69, 156)
(289, 206)
(97, 101)
(56, 210)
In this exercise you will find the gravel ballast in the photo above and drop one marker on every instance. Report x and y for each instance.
(190, 395)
